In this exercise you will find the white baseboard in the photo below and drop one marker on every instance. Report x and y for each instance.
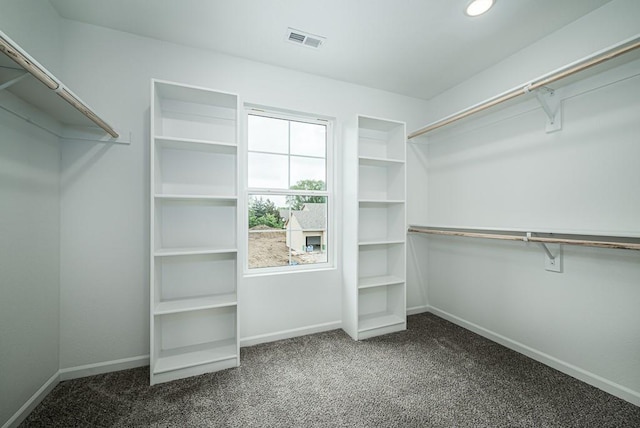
(73, 373)
(592, 379)
(417, 310)
(104, 367)
(32, 402)
(287, 334)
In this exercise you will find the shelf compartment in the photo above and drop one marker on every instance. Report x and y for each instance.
(381, 307)
(378, 320)
(188, 225)
(379, 281)
(381, 223)
(381, 181)
(195, 113)
(190, 356)
(187, 339)
(194, 281)
(188, 168)
(381, 138)
(378, 260)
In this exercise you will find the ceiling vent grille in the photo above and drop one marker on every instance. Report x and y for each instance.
(305, 39)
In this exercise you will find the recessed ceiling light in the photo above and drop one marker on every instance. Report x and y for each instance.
(478, 7)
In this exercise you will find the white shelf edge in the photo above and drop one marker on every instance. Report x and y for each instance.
(379, 160)
(194, 141)
(382, 201)
(379, 281)
(193, 251)
(175, 196)
(196, 304)
(382, 242)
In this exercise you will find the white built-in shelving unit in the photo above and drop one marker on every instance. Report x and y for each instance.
(194, 231)
(374, 290)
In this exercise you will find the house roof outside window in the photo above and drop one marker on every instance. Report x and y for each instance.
(311, 217)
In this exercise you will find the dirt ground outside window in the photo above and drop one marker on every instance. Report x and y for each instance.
(268, 248)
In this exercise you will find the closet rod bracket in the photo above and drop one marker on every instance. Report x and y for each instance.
(13, 81)
(546, 250)
(551, 104)
(552, 262)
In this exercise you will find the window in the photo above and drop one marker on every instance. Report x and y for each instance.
(288, 191)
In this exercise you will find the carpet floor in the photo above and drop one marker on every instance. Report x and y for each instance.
(435, 374)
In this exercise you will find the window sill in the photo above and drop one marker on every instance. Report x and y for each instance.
(289, 271)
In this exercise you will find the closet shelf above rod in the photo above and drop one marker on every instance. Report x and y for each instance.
(45, 96)
(588, 62)
(545, 238)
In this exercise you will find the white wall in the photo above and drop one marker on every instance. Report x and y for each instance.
(29, 225)
(29, 261)
(104, 232)
(35, 26)
(504, 171)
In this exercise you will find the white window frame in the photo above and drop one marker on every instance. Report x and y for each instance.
(329, 193)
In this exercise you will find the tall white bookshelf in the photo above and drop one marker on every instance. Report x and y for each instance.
(194, 231)
(374, 283)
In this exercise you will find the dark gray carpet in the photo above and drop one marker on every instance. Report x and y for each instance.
(436, 374)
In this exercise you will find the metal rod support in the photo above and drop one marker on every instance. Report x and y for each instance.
(13, 81)
(551, 113)
(546, 250)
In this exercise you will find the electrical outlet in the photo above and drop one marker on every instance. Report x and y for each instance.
(555, 264)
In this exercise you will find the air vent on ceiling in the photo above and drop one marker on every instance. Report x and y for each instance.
(305, 39)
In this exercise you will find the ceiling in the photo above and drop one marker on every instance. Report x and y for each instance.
(417, 48)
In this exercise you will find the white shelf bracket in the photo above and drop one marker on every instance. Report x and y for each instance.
(552, 263)
(13, 81)
(546, 250)
(551, 104)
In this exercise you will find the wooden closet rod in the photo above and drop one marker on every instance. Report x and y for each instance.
(24, 60)
(528, 237)
(568, 70)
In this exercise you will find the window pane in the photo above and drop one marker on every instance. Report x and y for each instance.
(308, 173)
(268, 171)
(306, 229)
(308, 139)
(287, 230)
(267, 237)
(266, 134)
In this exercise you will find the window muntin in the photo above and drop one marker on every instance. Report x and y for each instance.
(287, 192)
